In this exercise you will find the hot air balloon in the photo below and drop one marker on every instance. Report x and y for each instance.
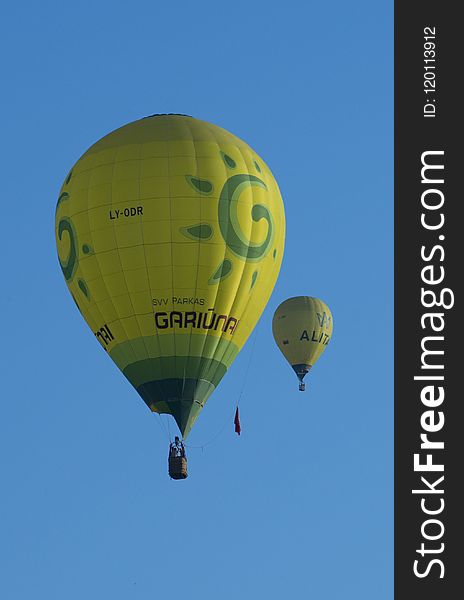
(302, 328)
(170, 235)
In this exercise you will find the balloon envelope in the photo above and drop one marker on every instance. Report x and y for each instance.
(170, 235)
(302, 328)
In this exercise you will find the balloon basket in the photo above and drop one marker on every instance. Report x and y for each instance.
(177, 467)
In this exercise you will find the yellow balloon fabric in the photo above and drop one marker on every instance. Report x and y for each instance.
(170, 235)
(302, 328)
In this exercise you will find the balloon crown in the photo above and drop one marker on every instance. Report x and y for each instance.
(167, 115)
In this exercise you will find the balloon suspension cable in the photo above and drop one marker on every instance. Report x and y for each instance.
(162, 426)
(230, 418)
(216, 435)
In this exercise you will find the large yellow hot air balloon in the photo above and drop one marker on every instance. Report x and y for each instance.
(170, 234)
(302, 328)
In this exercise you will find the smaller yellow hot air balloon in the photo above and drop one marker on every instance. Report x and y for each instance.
(302, 328)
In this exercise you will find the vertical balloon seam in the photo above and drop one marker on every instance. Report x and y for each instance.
(317, 307)
(94, 307)
(317, 304)
(323, 309)
(203, 365)
(149, 291)
(117, 248)
(168, 157)
(129, 337)
(136, 315)
(203, 368)
(311, 324)
(161, 389)
(214, 344)
(204, 371)
(102, 278)
(314, 308)
(116, 311)
(187, 364)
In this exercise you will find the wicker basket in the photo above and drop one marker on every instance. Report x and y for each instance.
(177, 467)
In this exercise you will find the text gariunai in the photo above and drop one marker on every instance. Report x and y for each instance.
(198, 320)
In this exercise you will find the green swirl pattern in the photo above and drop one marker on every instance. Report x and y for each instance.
(70, 264)
(228, 218)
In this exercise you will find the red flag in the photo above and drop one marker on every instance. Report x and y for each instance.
(238, 429)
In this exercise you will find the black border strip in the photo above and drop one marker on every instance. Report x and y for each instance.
(422, 256)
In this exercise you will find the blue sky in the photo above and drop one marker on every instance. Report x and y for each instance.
(301, 504)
